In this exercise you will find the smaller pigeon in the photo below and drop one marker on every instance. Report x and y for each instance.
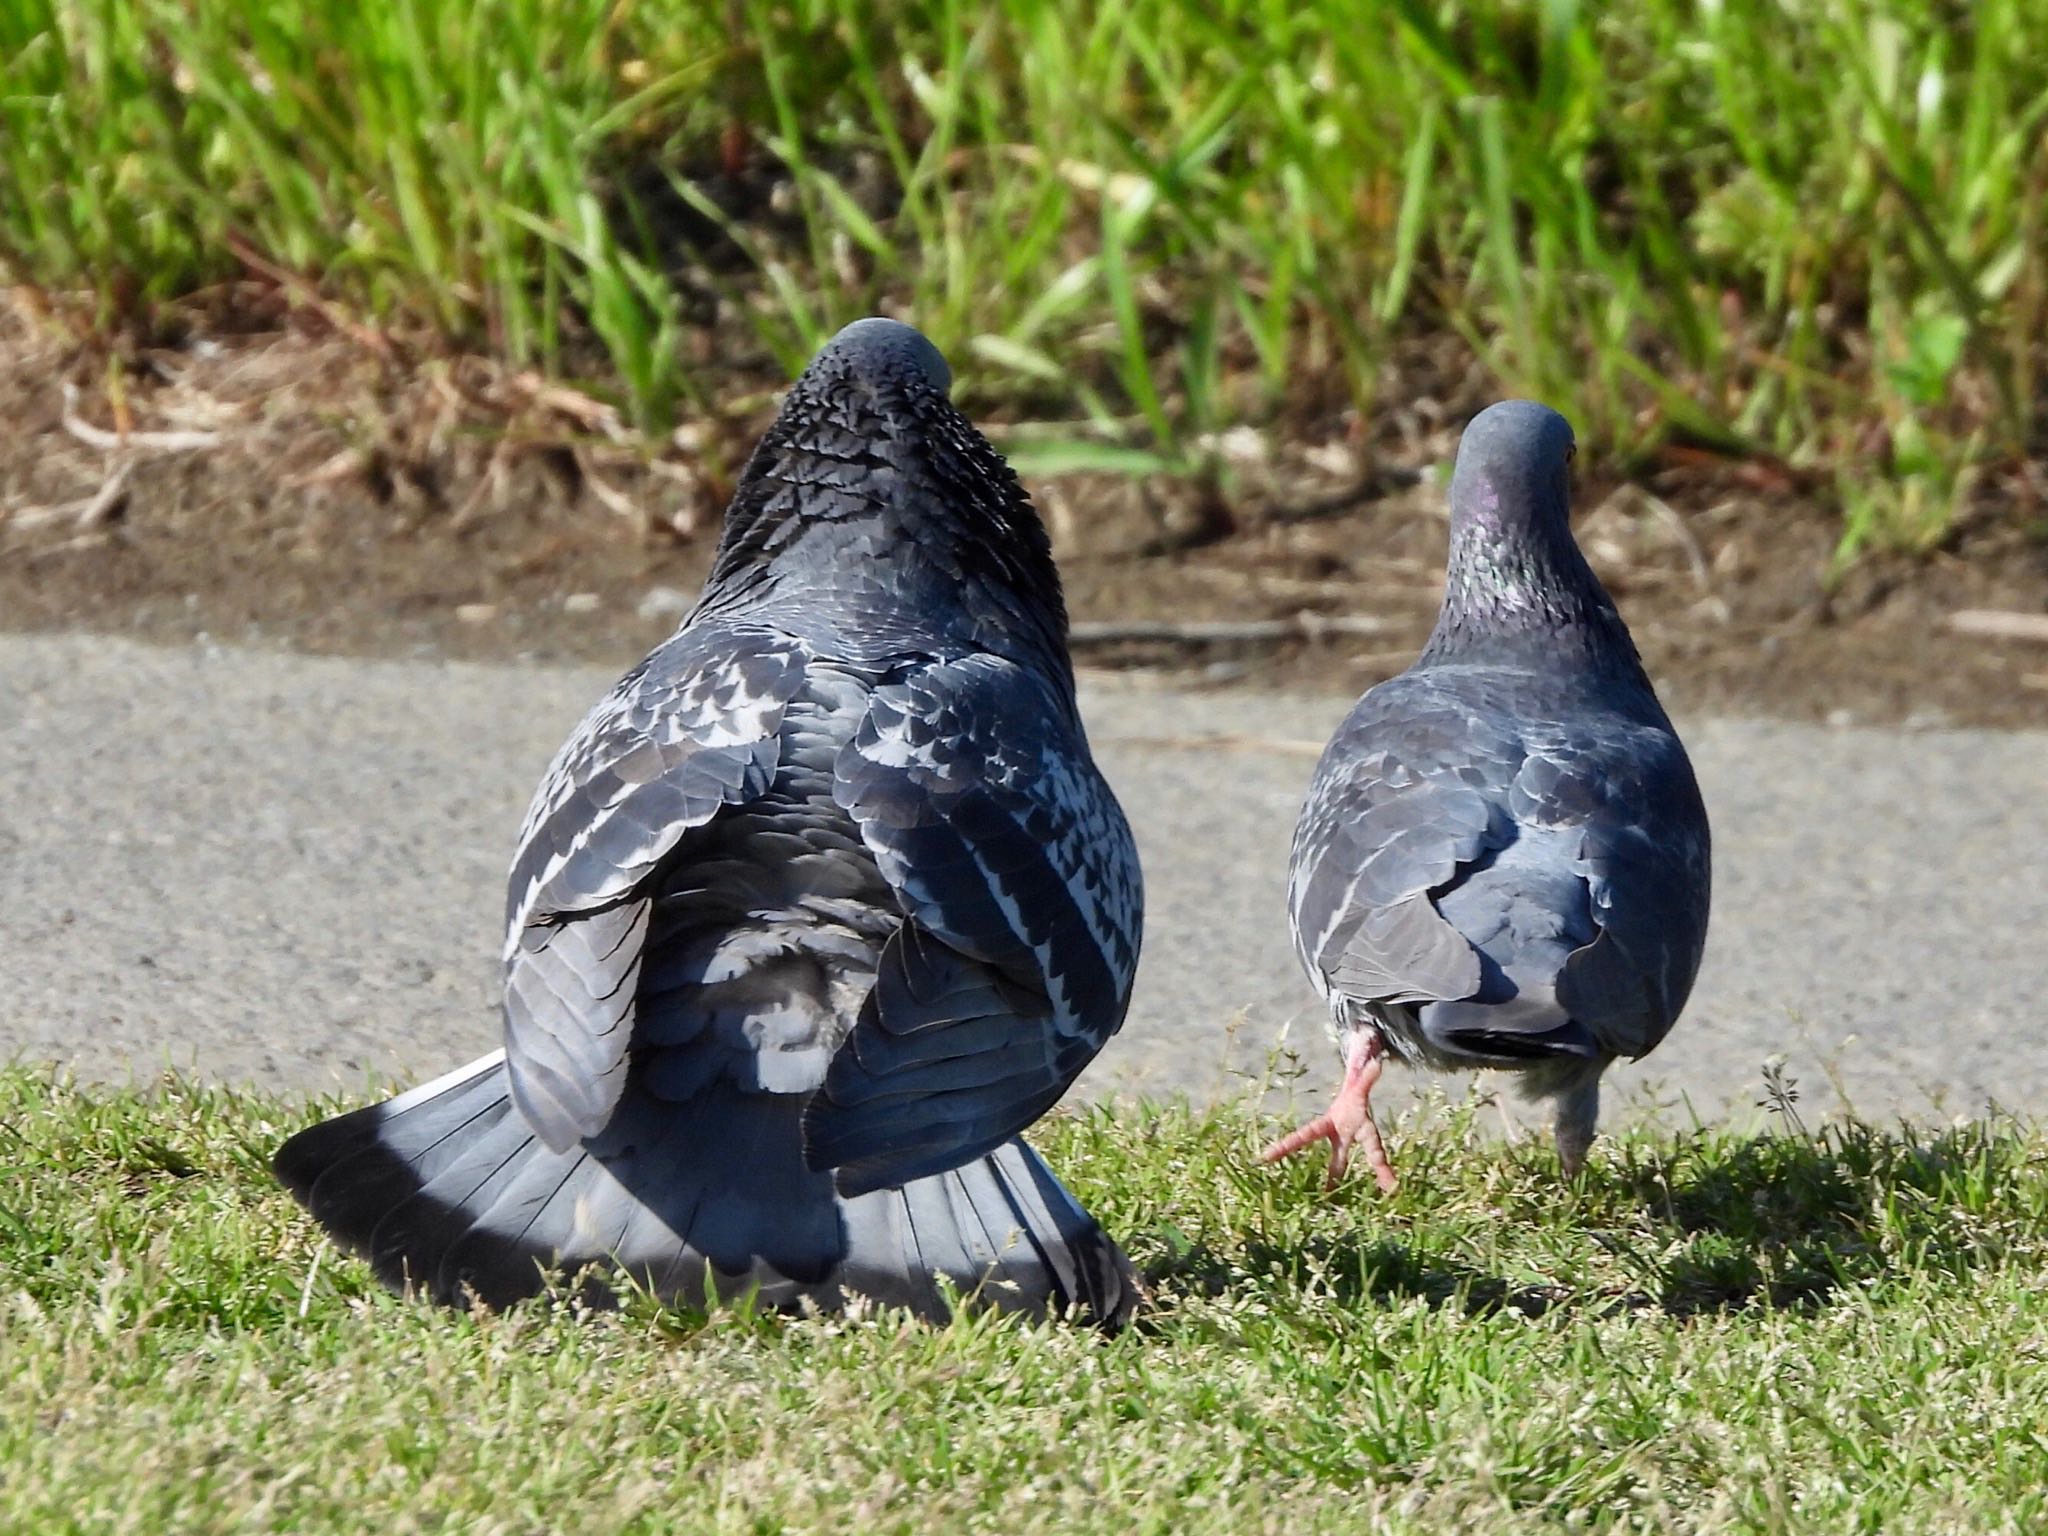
(1503, 861)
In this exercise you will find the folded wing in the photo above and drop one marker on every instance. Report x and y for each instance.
(972, 786)
(693, 729)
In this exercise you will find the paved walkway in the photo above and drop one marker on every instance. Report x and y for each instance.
(288, 871)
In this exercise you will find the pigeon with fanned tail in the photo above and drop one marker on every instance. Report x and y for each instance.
(818, 910)
(1503, 860)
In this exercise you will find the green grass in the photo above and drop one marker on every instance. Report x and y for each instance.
(1844, 1330)
(1814, 231)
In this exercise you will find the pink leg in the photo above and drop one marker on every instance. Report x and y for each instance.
(1349, 1119)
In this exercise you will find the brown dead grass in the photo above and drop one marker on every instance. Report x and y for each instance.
(282, 482)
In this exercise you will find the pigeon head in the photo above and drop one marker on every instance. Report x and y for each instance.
(870, 476)
(1517, 586)
(883, 349)
(876, 377)
(1511, 469)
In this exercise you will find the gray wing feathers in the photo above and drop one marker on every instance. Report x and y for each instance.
(693, 729)
(973, 787)
(1403, 953)
(1379, 835)
(1649, 884)
(570, 995)
(1415, 839)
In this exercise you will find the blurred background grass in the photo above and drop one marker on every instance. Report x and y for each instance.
(1812, 232)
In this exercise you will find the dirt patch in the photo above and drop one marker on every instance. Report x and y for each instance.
(295, 489)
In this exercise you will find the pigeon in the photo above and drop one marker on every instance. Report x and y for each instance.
(1503, 861)
(811, 916)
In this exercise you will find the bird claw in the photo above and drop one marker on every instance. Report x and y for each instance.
(1322, 1128)
(1348, 1121)
(1341, 1139)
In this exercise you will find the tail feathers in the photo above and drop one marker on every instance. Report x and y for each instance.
(447, 1191)
(1522, 1030)
(1001, 1229)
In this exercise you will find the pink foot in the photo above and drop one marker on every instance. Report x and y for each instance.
(1348, 1120)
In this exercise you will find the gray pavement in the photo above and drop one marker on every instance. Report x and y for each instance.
(287, 871)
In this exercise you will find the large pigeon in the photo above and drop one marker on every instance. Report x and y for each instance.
(813, 914)
(1503, 861)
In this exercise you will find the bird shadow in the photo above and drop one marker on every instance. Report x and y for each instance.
(1701, 1223)
(1799, 1220)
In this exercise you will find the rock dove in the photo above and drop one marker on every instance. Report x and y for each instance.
(813, 914)
(1503, 860)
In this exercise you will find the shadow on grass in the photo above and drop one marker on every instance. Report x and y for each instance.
(1705, 1223)
(1794, 1220)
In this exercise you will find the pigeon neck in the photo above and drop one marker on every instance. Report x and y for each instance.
(895, 518)
(1513, 591)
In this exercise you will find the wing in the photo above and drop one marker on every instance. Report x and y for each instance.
(1409, 792)
(973, 787)
(695, 727)
(1648, 864)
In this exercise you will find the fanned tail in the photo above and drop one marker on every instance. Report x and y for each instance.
(447, 1191)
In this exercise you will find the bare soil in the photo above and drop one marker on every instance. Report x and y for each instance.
(299, 487)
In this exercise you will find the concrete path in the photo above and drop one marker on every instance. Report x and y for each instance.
(288, 871)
